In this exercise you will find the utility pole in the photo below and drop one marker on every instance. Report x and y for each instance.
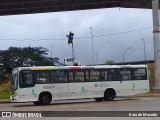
(144, 49)
(92, 45)
(96, 57)
(73, 53)
(125, 52)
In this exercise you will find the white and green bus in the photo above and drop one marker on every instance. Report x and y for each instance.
(41, 85)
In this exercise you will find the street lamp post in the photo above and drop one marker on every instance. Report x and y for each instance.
(92, 45)
(144, 49)
(125, 52)
(96, 57)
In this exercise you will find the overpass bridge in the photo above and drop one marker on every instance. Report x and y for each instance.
(16, 7)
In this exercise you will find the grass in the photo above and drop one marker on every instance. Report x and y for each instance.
(4, 95)
(150, 94)
(4, 90)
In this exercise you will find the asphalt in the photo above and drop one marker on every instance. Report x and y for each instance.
(150, 94)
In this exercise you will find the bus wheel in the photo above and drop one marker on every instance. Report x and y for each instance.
(109, 94)
(98, 99)
(45, 99)
(36, 103)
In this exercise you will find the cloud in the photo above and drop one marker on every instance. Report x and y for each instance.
(103, 21)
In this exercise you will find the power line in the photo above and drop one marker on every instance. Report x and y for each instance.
(31, 39)
(122, 32)
(87, 37)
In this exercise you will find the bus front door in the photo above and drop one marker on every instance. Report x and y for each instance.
(27, 85)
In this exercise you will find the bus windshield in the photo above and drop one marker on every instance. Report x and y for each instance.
(26, 79)
(14, 84)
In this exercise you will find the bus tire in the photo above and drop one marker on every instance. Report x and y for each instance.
(109, 94)
(36, 103)
(45, 98)
(98, 99)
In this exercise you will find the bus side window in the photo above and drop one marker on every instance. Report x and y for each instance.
(71, 76)
(124, 74)
(58, 76)
(95, 75)
(79, 76)
(111, 75)
(101, 78)
(87, 75)
(103, 75)
(42, 77)
(139, 74)
(62, 75)
(119, 75)
(54, 77)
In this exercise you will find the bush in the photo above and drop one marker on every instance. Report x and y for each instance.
(5, 90)
(5, 87)
(4, 77)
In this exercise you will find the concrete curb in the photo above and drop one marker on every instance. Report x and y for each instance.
(148, 95)
(5, 101)
(155, 93)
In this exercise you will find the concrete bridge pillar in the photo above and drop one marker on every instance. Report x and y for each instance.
(156, 40)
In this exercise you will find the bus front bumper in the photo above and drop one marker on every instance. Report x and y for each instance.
(14, 98)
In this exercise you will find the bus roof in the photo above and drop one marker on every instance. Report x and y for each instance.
(79, 67)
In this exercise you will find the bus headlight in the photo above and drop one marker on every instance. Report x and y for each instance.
(13, 93)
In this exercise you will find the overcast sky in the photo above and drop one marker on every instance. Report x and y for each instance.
(103, 22)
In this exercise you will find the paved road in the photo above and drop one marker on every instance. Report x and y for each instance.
(119, 104)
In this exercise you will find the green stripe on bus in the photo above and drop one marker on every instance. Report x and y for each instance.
(83, 88)
(32, 91)
(44, 68)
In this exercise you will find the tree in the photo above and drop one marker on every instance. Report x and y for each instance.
(25, 57)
